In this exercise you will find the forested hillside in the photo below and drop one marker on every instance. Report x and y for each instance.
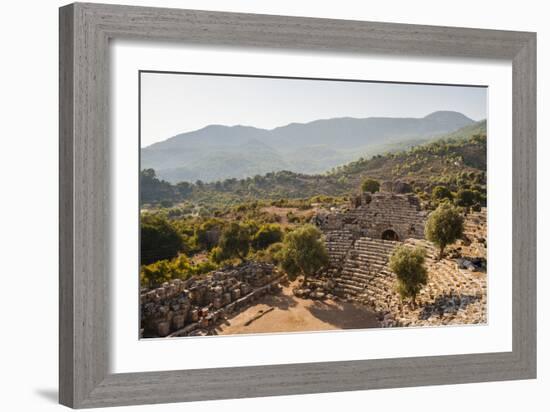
(449, 162)
(454, 163)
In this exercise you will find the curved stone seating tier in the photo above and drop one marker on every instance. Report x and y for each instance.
(365, 262)
(475, 235)
(338, 243)
(452, 295)
(359, 261)
(475, 224)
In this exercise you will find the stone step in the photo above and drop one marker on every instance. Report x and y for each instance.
(358, 287)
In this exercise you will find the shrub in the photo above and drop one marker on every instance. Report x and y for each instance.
(159, 239)
(166, 203)
(155, 274)
(370, 185)
(466, 197)
(165, 270)
(208, 233)
(292, 218)
(441, 193)
(217, 254)
(270, 255)
(267, 235)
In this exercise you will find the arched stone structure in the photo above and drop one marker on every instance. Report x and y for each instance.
(390, 234)
(373, 214)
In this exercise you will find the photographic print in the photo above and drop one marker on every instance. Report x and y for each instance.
(280, 205)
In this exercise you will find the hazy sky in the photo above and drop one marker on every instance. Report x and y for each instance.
(177, 103)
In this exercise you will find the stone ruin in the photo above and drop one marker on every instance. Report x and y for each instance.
(360, 239)
(382, 215)
(194, 306)
(452, 295)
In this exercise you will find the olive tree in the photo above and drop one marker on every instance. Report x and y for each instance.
(408, 265)
(441, 192)
(370, 185)
(235, 241)
(466, 197)
(444, 226)
(303, 252)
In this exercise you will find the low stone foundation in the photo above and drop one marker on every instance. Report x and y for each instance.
(179, 308)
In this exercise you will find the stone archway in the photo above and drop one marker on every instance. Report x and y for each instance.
(390, 234)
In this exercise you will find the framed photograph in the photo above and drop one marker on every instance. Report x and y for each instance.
(257, 205)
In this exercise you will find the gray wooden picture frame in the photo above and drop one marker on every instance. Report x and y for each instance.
(85, 31)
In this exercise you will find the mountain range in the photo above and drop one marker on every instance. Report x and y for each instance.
(218, 152)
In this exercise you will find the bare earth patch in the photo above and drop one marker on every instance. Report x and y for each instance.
(286, 313)
(281, 213)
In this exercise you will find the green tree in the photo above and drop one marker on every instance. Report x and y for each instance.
(166, 203)
(408, 265)
(274, 253)
(165, 270)
(184, 189)
(466, 197)
(303, 252)
(217, 254)
(208, 233)
(267, 235)
(152, 189)
(441, 192)
(444, 226)
(155, 274)
(235, 241)
(180, 267)
(370, 185)
(159, 239)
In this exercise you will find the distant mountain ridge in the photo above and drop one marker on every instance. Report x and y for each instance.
(218, 152)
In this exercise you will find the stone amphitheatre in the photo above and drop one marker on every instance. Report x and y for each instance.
(357, 283)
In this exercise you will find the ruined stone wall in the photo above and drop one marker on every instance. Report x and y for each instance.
(178, 308)
(379, 214)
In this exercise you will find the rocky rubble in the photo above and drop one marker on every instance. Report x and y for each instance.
(192, 307)
(316, 290)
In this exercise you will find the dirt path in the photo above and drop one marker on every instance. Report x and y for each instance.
(288, 313)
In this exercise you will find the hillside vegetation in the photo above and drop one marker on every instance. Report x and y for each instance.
(189, 229)
(456, 162)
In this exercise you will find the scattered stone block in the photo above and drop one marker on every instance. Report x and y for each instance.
(178, 322)
(163, 329)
